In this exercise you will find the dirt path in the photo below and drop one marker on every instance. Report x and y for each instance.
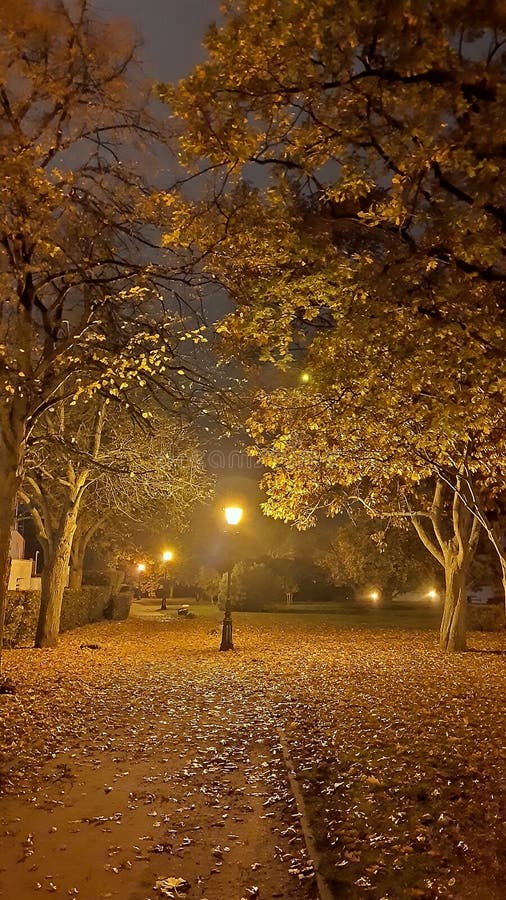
(178, 774)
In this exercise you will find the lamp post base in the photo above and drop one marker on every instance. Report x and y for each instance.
(226, 634)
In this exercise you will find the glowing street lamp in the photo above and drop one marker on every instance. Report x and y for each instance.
(167, 557)
(374, 596)
(432, 594)
(141, 567)
(233, 515)
(305, 378)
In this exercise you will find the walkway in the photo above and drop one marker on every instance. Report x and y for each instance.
(174, 774)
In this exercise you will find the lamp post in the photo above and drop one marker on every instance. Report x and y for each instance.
(140, 569)
(233, 515)
(167, 556)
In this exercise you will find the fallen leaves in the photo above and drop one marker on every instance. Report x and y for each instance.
(172, 887)
(399, 752)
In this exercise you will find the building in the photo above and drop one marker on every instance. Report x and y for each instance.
(22, 571)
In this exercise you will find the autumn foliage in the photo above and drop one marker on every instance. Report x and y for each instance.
(356, 215)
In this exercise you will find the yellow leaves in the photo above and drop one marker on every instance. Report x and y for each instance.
(386, 259)
(371, 779)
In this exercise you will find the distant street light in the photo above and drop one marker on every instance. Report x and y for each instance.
(167, 557)
(141, 567)
(374, 595)
(233, 515)
(432, 594)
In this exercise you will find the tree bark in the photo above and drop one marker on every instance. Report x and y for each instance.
(453, 543)
(503, 572)
(76, 571)
(12, 436)
(54, 579)
(497, 542)
(82, 537)
(452, 632)
(78, 550)
(471, 499)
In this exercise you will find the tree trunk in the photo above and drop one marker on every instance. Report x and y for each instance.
(497, 543)
(54, 580)
(82, 538)
(76, 563)
(503, 570)
(76, 576)
(452, 633)
(11, 462)
(455, 553)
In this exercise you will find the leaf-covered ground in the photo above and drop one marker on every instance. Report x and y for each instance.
(156, 757)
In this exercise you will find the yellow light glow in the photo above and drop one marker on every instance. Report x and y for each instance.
(141, 567)
(374, 595)
(432, 594)
(233, 515)
(168, 555)
(305, 377)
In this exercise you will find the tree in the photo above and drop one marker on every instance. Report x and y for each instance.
(368, 556)
(84, 302)
(92, 446)
(92, 520)
(253, 586)
(333, 457)
(207, 580)
(374, 256)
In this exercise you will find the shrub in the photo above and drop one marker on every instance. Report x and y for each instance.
(485, 618)
(254, 586)
(83, 606)
(118, 606)
(90, 603)
(21, 617)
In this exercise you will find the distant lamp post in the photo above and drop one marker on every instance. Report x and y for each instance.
(305, 378)
(167, 557)
(432, 594)
(141, 567)
(374, 595)
(233, 515)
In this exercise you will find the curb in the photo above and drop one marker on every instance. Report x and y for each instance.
(324, 890)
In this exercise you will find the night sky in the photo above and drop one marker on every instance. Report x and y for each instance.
(172, 31)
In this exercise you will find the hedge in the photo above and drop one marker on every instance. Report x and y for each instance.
(118, 607)
(91, 603)
(485, 618)
(83, 606)
(21, 616)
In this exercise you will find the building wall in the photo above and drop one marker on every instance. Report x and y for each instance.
(20, 577)
(17, 549)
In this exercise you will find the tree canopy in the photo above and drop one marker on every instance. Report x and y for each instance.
(356, 215)
(92, 457)
(89, 301)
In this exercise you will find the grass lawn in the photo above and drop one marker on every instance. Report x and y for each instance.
(412, 614)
